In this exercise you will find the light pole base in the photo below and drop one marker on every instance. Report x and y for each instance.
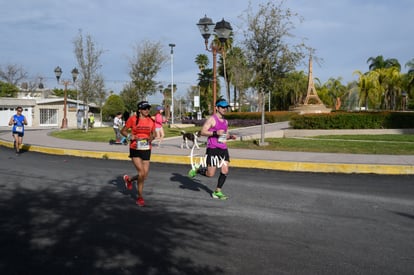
(264, 143)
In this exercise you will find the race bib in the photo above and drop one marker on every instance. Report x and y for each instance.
(19, 129)
(143, 144)
(222, 138)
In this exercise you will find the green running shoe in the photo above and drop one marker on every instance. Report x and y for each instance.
(219, 195)
(192, 173)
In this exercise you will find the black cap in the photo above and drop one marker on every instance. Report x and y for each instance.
(143, 105)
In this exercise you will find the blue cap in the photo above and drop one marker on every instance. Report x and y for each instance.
(222, 103)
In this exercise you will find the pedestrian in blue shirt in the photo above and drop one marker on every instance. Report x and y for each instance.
(18, 121)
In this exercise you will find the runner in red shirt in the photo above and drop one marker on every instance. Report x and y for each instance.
(140, 130)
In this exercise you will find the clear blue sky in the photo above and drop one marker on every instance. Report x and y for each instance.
(38, 34)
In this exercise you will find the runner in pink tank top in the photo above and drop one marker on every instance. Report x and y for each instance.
(216, 131)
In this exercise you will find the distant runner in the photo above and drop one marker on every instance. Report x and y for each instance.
(18, 121)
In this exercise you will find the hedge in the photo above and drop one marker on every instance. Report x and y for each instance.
(354, 120)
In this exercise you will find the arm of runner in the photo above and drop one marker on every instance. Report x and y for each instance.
(205, 130)
(11, 121)
(231, 136)
(124, 132)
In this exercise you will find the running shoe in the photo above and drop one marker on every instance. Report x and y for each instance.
(192, 173)
(219, 195)
(140, 201)
(128, 182)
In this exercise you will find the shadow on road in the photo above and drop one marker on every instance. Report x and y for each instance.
(84, 232)
(190, 184)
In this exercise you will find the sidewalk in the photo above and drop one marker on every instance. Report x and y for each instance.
(39, 140)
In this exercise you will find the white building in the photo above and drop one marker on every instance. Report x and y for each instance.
(43, 109)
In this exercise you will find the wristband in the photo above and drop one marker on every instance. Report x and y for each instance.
(215, 134)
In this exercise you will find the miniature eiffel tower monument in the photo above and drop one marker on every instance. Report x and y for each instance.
(311, 95)
(312, 102)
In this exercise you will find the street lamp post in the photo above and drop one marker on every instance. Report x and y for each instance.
(172, 82)
(223, 30)
(58, 72)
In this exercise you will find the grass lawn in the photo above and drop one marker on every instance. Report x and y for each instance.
(353, 144)
(104, 134)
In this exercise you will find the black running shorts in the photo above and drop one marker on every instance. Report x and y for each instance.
(215, 156)
(142, 154)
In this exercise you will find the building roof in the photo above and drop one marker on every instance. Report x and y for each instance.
(11, 101)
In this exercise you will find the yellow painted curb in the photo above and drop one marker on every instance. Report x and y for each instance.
(241, 163)
(344, 168)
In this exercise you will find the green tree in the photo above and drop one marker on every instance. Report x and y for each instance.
(130, 97)
(392, 85)
(202, 61)
(144, 66)
(389, 78)
(294, 86)
(269, 47)
(8, 90)
(205, 82)
(336, 91)
(239, 74)
(167, 100)
(369, 88)
(380, 63)
(71, 94)
(113, 105)
(409, 78)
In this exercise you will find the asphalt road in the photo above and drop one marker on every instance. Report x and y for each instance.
(68, 215)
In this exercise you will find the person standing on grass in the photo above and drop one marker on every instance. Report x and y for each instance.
(216, 130)
(18, 121)
(117, 126)
(140, 130)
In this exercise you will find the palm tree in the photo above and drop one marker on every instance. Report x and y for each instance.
(202, 61)
(238, 73)
(293, 86)
(205, 82)
(379, 63)
(410, 74)
(410, 65)
(383, 67)
(392, 85)
(336, 91)
(369, 87)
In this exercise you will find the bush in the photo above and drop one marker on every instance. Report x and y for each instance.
(245, 119)
(354, 120)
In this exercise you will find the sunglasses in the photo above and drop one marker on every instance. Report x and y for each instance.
(146, 108)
